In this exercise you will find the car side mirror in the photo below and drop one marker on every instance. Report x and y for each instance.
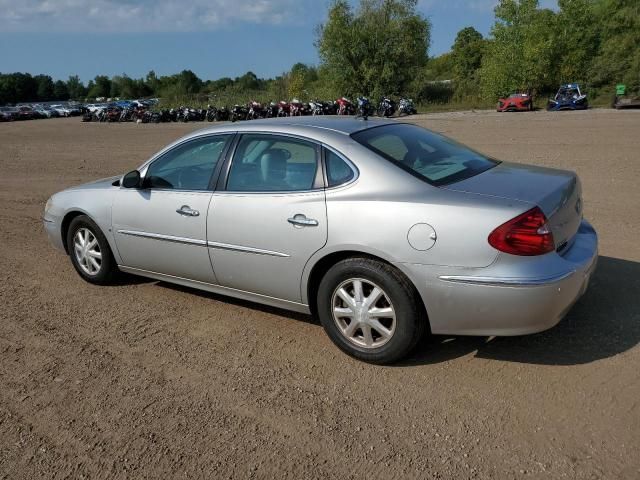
(131, 179)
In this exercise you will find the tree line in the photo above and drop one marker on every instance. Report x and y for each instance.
(379, 47)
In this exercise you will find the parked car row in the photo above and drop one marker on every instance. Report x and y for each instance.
(36, 111)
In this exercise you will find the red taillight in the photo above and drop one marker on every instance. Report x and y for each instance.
(527, 234)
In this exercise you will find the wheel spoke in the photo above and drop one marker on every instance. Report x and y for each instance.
(366, 334)
(343, 312)
(357, 291)
(94, 254)
(373, 297)
(92, 243)
(94, 263)
(348, 299)
(386, 312)
(351, 329)
(381, 329)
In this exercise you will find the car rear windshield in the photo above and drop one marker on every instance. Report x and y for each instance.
(424, 154)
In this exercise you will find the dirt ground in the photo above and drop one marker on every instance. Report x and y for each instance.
(147, 380)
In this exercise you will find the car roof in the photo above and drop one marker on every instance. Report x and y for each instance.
(344, 125)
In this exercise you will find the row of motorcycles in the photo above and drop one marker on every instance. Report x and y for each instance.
(255, 110)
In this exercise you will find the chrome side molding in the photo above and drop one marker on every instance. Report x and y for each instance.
(203, 243)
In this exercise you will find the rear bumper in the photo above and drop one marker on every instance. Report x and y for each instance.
(513, 296)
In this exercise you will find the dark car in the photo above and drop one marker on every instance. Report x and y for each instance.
(569, 97)
(8, 114)
(27, 113)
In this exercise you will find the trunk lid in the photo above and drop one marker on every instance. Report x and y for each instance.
(557, 192)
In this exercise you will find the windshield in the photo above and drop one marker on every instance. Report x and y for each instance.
(424, 154)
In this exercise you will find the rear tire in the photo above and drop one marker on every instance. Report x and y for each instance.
(370, 310)
(90, 253)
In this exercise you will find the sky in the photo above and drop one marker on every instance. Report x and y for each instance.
(213, 38)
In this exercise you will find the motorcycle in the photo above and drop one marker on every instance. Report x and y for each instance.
(238, 112)
(222, 114)
(365, 108)
(406, 107)
(317, 107)
(295, 108)
(272, 110)
(211, 112)
(284, 109)
(386, 107)
(344, 106)
(255, 111)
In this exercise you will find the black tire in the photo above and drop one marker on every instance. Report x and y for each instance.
(410, 317)
(108, 267)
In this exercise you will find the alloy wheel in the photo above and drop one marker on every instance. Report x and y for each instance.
(363, 313)
(87, 251)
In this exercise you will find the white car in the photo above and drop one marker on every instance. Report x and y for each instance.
(62, 110)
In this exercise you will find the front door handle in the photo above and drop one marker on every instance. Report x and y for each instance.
(300, 220)
(187, 211)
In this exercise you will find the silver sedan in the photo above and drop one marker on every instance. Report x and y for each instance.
(383, 230)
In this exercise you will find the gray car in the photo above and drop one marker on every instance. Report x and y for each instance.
(384, 230)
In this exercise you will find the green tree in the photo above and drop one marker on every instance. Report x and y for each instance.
(45, 87)
(375, 49)
(248, 81)
(618, 56)
(467, 53)
(576, 38)
(76, 88)
(60, 91)
(296, 83)
(100, 87)
(520, 56)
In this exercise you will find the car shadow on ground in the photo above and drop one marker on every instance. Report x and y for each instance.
(603, 323)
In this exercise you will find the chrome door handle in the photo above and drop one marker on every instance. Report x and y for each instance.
(300, 220)
(187, 211)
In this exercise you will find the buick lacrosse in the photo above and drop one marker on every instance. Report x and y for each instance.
(381, 229)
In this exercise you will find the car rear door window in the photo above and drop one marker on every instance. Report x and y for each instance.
(188, 166)
(338, 171)
(272, 163)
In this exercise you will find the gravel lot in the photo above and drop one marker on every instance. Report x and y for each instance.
(148, 380)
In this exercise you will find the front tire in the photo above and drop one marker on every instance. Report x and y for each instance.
(370, 310)
(89, 250)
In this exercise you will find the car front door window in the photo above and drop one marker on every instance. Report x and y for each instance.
(189, 166)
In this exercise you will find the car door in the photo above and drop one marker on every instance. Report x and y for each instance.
(269, 216)
(162, 226)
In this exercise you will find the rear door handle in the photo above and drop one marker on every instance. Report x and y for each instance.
(300, 220)
(187, 211)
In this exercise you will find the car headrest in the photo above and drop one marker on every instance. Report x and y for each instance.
(273, 164)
